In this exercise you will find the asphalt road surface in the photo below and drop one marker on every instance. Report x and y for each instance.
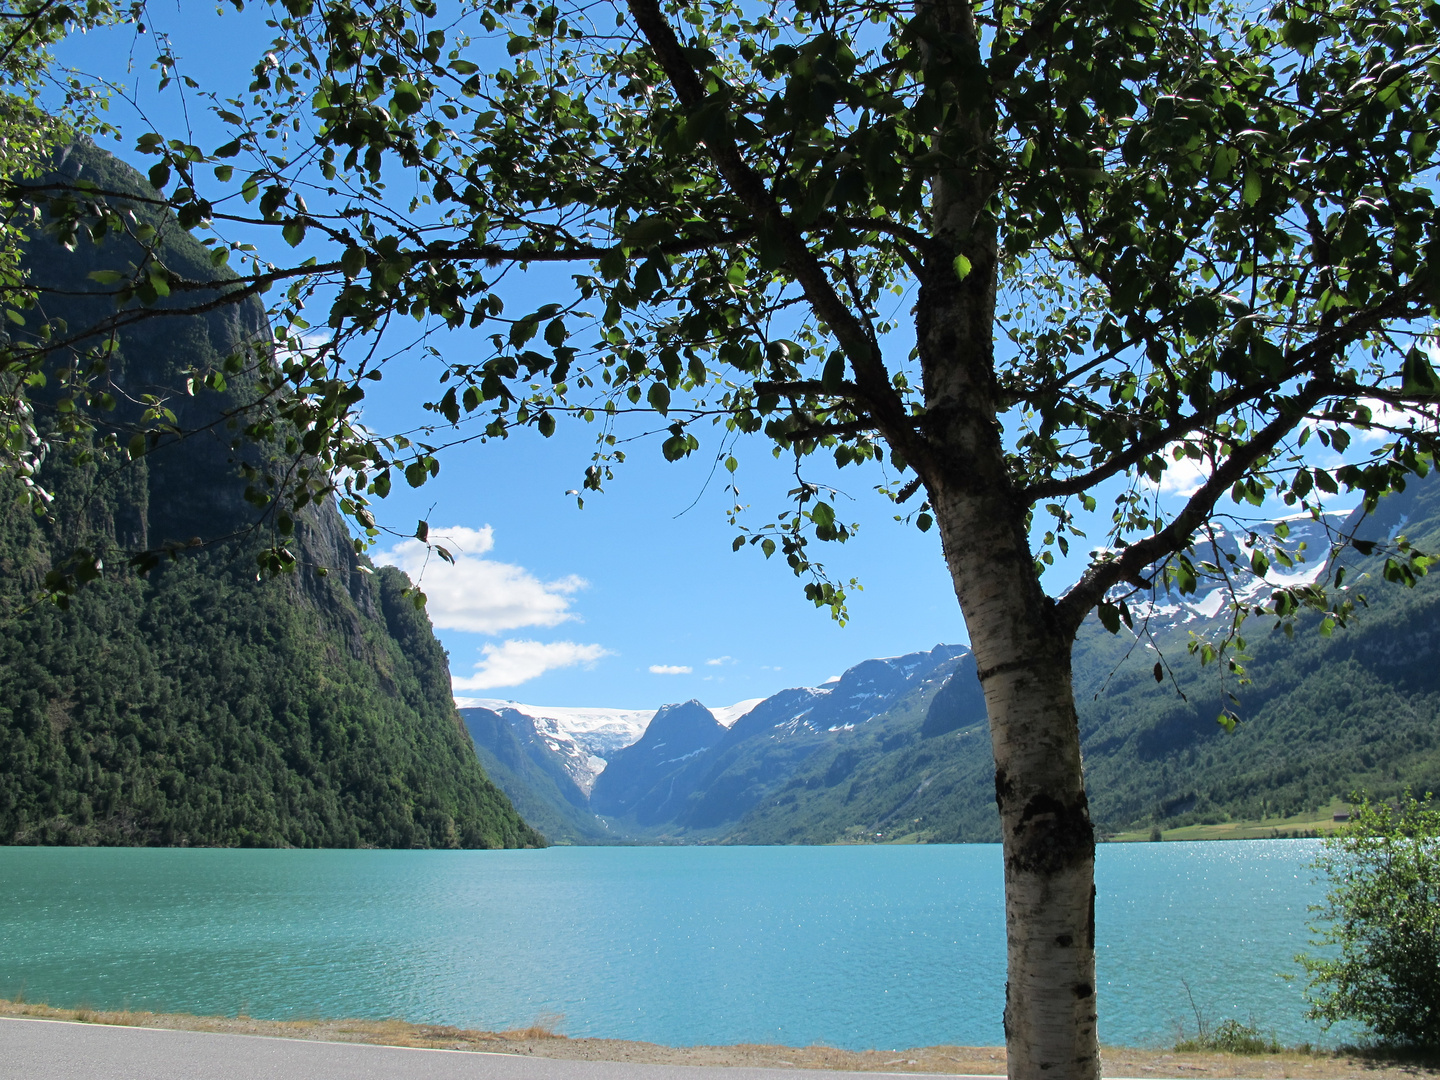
(57, 1050)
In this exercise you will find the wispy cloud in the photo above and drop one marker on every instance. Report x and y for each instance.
(515, 662)
(476, 594)
(720, 660)
(670, 669)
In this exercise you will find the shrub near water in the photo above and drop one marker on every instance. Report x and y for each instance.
(1230, 1037)
(1380, 925)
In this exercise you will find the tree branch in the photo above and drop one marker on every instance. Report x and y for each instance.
(1135, 559)
(871, 376)
(1322, 349)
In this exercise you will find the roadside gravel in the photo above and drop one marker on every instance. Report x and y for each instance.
(541, 1041)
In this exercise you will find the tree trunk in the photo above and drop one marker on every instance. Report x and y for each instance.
(1023, 655)
(1049, 845)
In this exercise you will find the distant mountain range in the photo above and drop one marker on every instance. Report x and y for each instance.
(898, 749)
(766, 776)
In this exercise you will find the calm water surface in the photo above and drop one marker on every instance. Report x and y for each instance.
(852, 946)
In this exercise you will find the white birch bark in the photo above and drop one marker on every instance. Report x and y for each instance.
(1022, 650)
(1049, 845)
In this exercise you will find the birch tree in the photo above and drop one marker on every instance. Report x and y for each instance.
(1008, 256)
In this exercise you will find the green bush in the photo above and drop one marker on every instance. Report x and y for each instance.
(1231, 1037)
(1380, 925)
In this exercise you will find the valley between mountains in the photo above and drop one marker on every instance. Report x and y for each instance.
(898, 750)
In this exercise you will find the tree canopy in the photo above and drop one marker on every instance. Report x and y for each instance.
(1210, 233)
(1016, 252)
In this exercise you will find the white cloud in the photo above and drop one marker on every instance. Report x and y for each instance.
(1183, 477)
(516, 662)
(720, 660)
(480, 595)
(670, 669)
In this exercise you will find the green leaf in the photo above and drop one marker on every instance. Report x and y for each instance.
(962, 267)
(1253, 187)
(352, 262)
(406, 100)
(647, 232)
(1417, 375)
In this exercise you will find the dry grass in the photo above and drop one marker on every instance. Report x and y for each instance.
(542, 1039)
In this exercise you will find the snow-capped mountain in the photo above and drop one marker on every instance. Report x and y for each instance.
(1309, 545)
(688, 771)
(584, 739)
(728, 714)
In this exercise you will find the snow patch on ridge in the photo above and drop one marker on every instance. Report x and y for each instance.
(599, 732)
(585, 738)
(728, 714)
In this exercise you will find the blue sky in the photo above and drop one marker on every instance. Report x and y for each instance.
(638, 599)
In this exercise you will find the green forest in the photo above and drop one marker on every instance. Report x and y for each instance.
(1324, 715)
(202, 703)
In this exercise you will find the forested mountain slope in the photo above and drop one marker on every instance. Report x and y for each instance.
(200, 704)
(899, 749)
(527, 769)
(1324, 716)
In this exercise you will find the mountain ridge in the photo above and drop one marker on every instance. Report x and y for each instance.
(898, 749)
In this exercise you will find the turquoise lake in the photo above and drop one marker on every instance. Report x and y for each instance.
(852, 946)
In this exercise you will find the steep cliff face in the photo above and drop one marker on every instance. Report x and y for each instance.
(199, 703)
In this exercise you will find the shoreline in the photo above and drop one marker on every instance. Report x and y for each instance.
(542, 1040)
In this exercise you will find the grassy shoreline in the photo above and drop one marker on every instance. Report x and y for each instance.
(1310, 823)
(542, 1040)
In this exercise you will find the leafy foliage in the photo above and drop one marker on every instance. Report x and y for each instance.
(1190, 265)
(1380, 925)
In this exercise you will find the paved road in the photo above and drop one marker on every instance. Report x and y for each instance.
(57, 1050)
